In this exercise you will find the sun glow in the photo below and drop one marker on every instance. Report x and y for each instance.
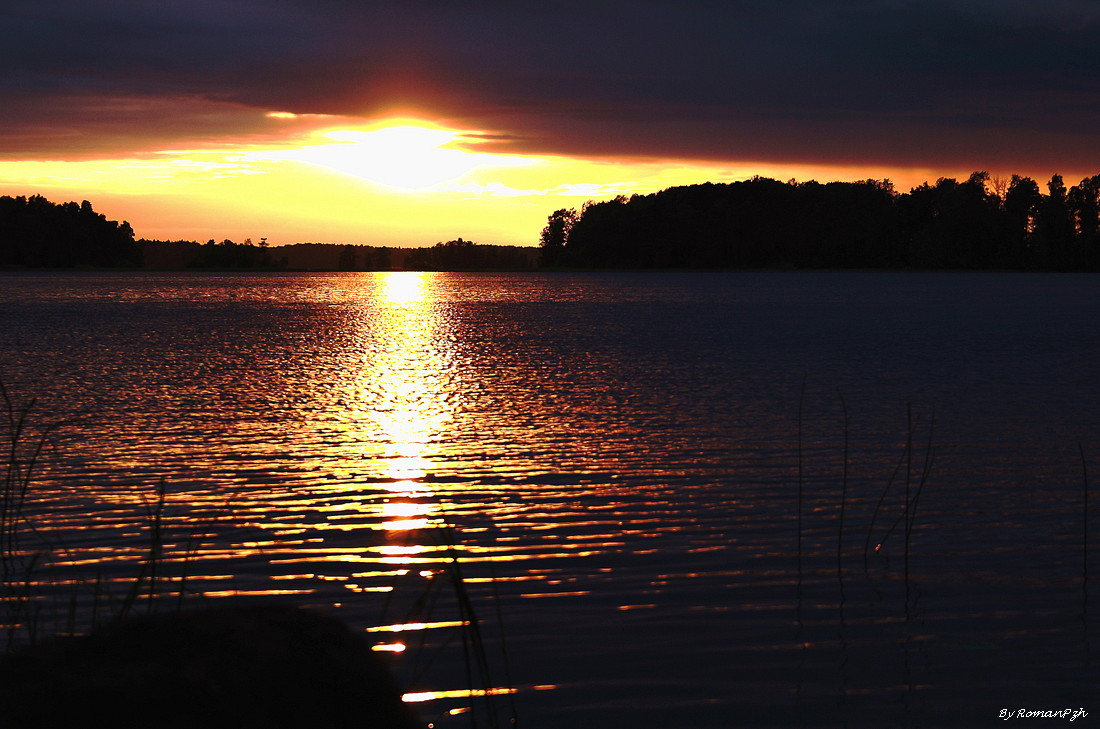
(398, 181)
(403, 288)
(403, 155)
(402, 340)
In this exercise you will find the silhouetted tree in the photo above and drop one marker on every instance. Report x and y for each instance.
(1083, 202)
(755, 223)
(981, 222)
(596, 238)
(465, 255)
(376, 259)
(555, 236)
(348, 259)
(233, 256)
(1053, 228)
(952, 224)
(38, 233)
(1022, 202)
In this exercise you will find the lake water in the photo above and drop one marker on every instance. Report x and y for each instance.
(673, 500)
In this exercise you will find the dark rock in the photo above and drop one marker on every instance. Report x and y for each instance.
(225, 667)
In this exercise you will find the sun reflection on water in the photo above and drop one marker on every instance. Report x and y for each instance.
(318, 433)
(361, 509)
(404, 287)
(403, 365)
(400, 392)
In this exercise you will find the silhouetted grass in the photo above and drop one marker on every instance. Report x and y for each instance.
(37, 606)
(31, 601)
(1084, 534)
(18, 564)
(843, 500)
(446, 584)
(902, 492)
(912, 492)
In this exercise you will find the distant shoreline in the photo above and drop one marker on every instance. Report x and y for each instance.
(519, 271)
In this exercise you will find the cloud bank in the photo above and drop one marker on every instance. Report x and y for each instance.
(884, 83)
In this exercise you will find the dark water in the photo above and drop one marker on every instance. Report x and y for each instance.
(680, 498)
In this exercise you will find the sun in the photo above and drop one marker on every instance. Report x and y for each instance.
(402, 155)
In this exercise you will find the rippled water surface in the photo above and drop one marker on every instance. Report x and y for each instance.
(669, 499)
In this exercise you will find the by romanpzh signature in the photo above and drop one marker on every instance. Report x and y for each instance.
(1071, 714)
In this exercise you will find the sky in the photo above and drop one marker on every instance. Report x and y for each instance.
(407, 123)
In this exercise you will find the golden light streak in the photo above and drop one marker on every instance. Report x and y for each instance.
(385, 573)
(421, 696)
(403, 627)
(255, 593)
(404, 525)
(360, 588)
(407, 515)
(408, 509)
(404, 360)
(400, 549)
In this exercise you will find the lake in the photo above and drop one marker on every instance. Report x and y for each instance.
(670, 499)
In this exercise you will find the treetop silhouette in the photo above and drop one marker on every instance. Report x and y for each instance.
(979, 223)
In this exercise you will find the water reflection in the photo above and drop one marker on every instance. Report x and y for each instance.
(404, 363)
(620, 469)
(406, 396)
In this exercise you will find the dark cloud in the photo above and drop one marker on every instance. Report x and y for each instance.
(892, 82)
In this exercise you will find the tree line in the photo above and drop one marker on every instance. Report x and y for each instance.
(464, 255)
(37, 233)
(454, 255)
(983, 222)
(230, 255)
(980, 223)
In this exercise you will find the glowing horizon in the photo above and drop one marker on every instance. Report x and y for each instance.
(397, 180)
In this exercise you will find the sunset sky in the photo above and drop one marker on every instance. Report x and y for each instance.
(407, 123)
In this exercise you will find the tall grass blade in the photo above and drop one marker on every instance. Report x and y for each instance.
(843, 499)
(1084, 534)
(877, 509)
(801, 484)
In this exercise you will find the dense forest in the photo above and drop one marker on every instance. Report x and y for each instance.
(464, 255)
(981, 223)
(37, 233)
(228, 255)
(454, 255)
(217, 255)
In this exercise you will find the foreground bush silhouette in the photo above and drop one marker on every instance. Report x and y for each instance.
(265, 666)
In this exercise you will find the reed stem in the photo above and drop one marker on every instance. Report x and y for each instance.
(1084, 527)
(908, 478)
(843, 499)
(875, 512)
(801, 403)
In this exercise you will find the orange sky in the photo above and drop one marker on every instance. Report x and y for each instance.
(392, 181)
(411, 123)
